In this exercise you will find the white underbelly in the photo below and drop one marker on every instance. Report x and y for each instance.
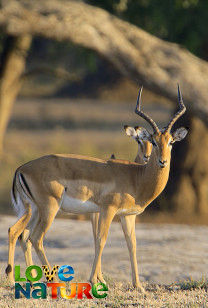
(134, 211)
(77, 206)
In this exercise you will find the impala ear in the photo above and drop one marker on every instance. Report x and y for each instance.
(179, 134)
(142, 133)
(130, 131)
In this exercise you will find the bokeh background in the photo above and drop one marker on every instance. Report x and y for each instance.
(70, 72)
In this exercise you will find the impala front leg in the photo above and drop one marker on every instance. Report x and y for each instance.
(128, 226)
(105, 219)
(94, 220)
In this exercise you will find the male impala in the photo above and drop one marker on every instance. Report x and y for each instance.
(142, 157)
(79, 184)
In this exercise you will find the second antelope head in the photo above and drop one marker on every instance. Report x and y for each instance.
(141, 136)
(161, 140)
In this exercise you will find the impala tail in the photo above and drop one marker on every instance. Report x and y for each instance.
(22, 202)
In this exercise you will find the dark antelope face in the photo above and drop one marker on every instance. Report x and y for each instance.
(162, 140)
(140, 135)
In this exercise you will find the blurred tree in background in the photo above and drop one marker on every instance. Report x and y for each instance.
(180, 21)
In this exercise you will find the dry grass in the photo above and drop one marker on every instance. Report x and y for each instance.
(168, 255)
(191, 284)
(119, 295)
(96, 114)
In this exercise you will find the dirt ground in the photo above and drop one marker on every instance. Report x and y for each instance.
(167, 255)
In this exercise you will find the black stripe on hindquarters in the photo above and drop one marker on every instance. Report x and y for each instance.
(13, 185)
(26, 185)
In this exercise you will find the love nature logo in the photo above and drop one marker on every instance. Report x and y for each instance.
(65, 273)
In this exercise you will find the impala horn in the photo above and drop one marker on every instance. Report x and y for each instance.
(179, 113)
(143, 115)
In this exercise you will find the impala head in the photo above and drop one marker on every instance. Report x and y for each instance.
(162, 140)
(141, 136)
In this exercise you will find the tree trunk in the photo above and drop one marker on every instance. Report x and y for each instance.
(13, 66)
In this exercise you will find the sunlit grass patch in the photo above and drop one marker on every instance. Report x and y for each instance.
(191, 284)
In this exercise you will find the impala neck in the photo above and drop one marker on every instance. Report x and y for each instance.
(151, 182)
(139, 160)
(139, 157)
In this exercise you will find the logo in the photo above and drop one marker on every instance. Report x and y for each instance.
(38, 290)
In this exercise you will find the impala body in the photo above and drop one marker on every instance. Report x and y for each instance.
(78, 184)
(81, 184)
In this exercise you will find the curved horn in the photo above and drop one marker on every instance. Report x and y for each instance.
(179, 113)
(142, 114)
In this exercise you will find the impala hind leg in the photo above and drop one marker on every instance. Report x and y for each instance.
(46, 218)
(128, 225)
(105, 219)
(14, 233)
(24, 240)
(94, 220)
(26, 246)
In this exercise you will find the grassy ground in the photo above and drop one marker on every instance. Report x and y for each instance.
(168, 256)
(119, 295)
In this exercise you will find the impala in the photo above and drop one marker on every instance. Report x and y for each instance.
(78, 184)
(142, 157)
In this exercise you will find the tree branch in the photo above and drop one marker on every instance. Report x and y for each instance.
(147, 60)
(56, 72)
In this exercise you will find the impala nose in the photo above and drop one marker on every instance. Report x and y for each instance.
(163, 163)
(146, 158)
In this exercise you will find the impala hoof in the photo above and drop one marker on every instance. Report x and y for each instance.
(93, 281)
(139, 288)
(101, 279)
